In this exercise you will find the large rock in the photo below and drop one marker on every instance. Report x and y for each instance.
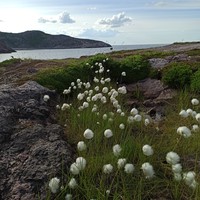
(153, 95)
(158, 63)
(32, 148)
(150, 88)
(4, 48)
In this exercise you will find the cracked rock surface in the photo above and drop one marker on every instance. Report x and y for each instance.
(32, 145)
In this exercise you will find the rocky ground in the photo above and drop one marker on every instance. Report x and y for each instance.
(32, 145)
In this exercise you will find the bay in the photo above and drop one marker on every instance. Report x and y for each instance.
(46, 54)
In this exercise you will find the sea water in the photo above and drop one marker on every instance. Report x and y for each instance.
(46, 54)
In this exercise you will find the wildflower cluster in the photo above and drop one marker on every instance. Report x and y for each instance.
(189, 177)
(108, 151)
(184, 130)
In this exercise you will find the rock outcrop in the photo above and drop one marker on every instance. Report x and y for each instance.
(32, 145)
(150, 94)
(159, 63)
(5, 49)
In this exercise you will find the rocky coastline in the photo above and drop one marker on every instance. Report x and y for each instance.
(5, 49)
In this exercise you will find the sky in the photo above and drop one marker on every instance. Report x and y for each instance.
(117, 22)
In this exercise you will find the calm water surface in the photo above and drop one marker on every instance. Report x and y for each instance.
(46, 54)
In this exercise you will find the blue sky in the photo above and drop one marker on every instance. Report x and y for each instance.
(114, 21)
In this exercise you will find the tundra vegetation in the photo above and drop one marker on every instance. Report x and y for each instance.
(122, 153)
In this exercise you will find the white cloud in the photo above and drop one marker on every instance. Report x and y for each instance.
(185, 4)
(93, 33)
(116, 20)
(65, 18)
(43, 20)
(161, 4)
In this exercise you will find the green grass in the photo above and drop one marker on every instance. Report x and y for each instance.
(9, 62)
(194, 52)
(93, 183)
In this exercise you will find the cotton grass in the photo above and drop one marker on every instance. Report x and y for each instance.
(110, 137)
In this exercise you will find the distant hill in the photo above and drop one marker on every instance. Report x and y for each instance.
(4, 48)
(41, 40)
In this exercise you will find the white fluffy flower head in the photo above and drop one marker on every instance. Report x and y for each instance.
(68, 197)
(105, 90)
(85, 104)
(184, 114)
(117, 149)
(81, 146)
(184, 131)
(137, 118)
(65, 106)
(80, 96)
(195, 128)
(197, 117)
(189, 178)
(108, 133)
(134, 111)
(72, 183)
(146, 122)
(148, 171)
(189, 111)
(46, 98)
(122, 126)
(147, 150)
(74, 169)
(81, 163)
(195, 102)
(172, 158)
(88, 134)
(177, 168)
(54, 184)
(129, 168)
(123, 73)
(130, 119)
(121, 162)
(122, 90)
(107, 169)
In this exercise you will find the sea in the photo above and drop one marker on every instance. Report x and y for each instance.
(47, 54)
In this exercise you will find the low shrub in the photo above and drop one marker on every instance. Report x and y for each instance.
(60, 79)
(136, 67)
(111, 66)
(156, 54)
(10, 62)
(52, 78)
(155, 73)
(195, 82)
(177, 75)
(194, 52)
